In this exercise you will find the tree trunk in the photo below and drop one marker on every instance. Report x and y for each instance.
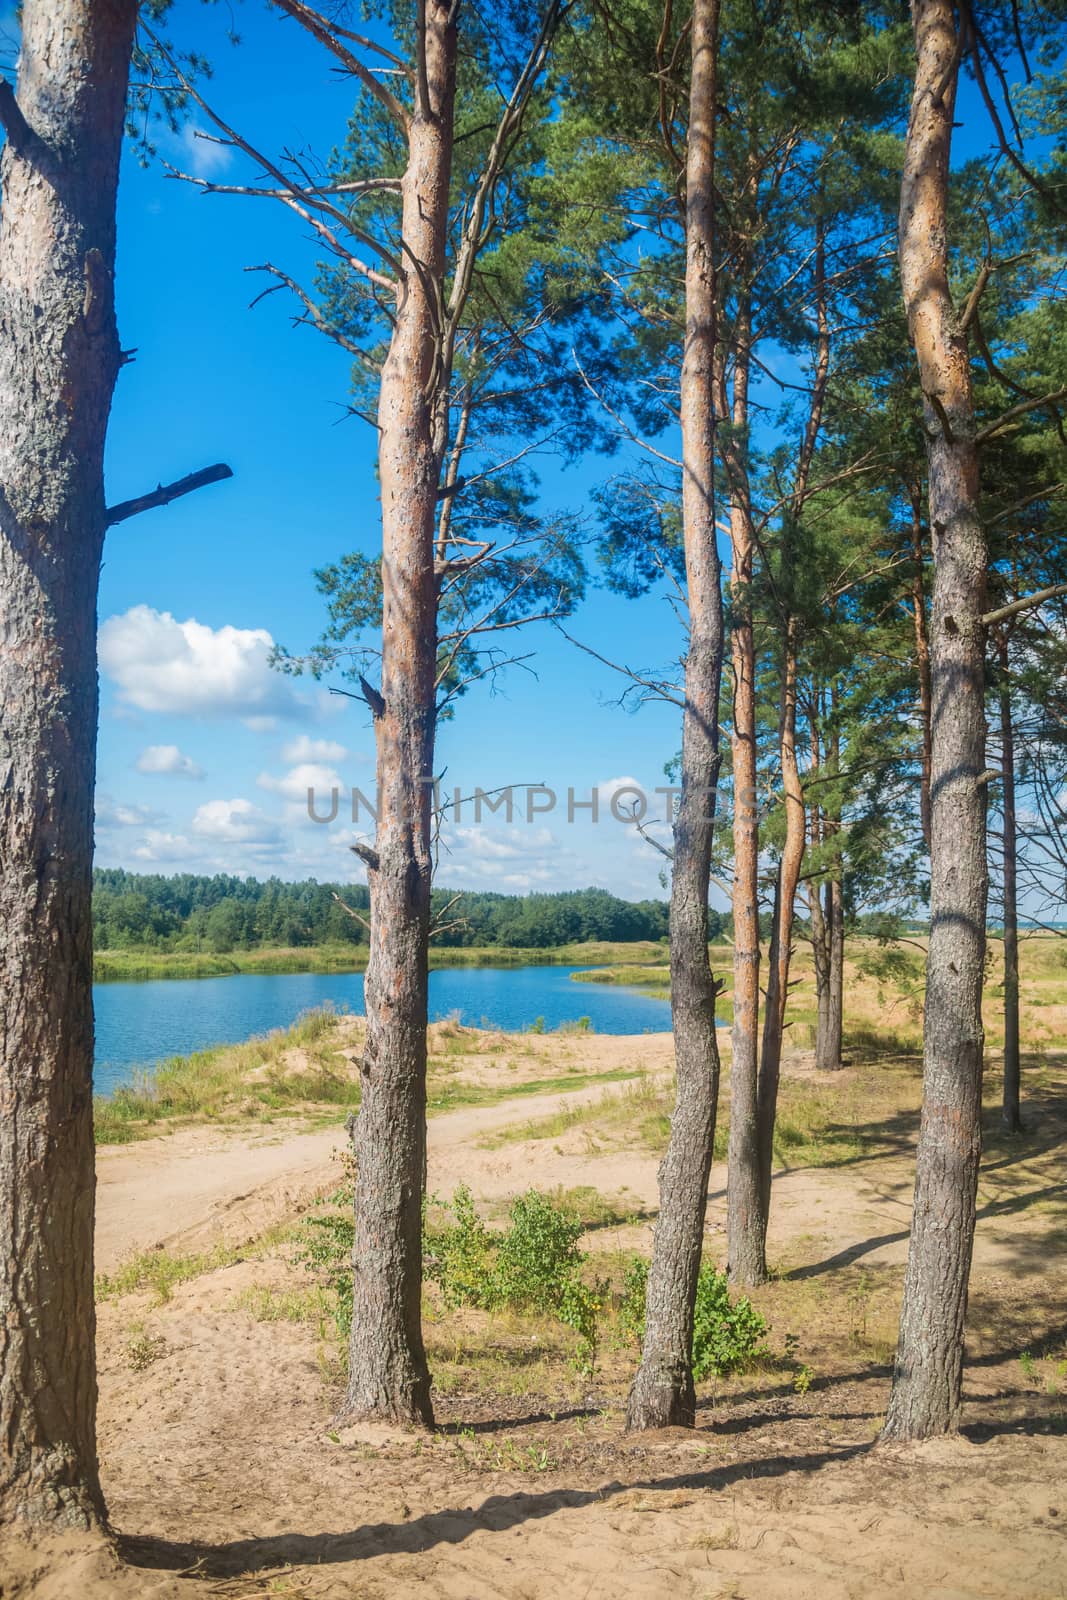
(922, 657)
(781, 946)
(927, 1378)
(745, 1243)
(829, 1037)
(829, 1043)
(388, 1374)
(748, 1255)
(59, 358)
(1011, 1116)
(663, 1393)
(820, 939)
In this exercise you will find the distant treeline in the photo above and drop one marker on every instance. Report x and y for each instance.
(222, 914)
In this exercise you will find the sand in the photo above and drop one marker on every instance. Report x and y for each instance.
(226, 1476)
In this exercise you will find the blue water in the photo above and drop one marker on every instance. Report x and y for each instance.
(138, 1024)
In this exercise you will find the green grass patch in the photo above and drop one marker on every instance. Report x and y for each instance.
(449, 1096)
(641, 1112)
(249, 1080)
(124, 966)
(158, 1272)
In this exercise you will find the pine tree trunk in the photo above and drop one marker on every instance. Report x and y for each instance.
(662, 1394)
(745, 1243)
(820, 950)
(922, 659)
(59, 358)
(388, 1374)
(781, 945)
(829, 1038)
(927, 1379)
(830, 1041)
(1012, 1063)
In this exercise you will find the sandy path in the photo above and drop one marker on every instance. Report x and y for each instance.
(200, 1185)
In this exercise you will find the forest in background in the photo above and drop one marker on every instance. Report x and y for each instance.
(222, 913)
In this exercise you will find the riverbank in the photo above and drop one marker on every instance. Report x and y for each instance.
(125, 966)
(310, 1071)
(222, 1365)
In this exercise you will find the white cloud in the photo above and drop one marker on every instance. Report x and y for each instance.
(607, 791)
(305, 749)
(515, 859)
(236, 822)
(202, 154)
(159, 846)
(109, 815)
(167, 758)
(295, 783)
(189, 669)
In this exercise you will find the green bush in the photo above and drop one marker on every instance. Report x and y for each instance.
(728, 1335)
(532, 1265)
(326, 1251)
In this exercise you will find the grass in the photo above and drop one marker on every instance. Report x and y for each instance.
(823, 1125)
(122, 966)
(641, 1114)
(260, 1078)
(158, 1272)
(253, 1079)
(452, 1095)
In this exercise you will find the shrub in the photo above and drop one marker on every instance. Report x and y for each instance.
(728, 1335)
(532, 1265)
(326, 1251)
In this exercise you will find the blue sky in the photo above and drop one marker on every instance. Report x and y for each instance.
(205, 754)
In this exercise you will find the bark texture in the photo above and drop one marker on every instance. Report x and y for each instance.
(388, 1373)
(1009, 838)
(922, 657)
(927, 1378)
(780, 953)
(826, 903)
(746, 1244)
(663, 1392)
(59, 357)
(754, 1091)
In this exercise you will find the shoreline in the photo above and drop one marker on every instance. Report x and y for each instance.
(142, 966)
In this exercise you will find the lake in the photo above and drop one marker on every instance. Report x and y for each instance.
(138, 1024)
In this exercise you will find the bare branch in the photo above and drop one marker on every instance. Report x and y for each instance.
(660, 690)
(991, 618)
(350, 910)
(320, 29)
(163, 494)
(314, 316)
(1034, 404)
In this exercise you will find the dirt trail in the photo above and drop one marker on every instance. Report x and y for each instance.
(228, 1475)
(202, 1185)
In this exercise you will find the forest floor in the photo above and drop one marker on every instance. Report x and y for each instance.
(221, 1372)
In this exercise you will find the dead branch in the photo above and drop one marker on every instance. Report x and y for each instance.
(350, 910)
(991, 618)
(164, 493)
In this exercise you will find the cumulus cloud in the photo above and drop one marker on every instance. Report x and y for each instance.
(167, 758)
(157, 846)
(623, 787)
(189, 669)
(236, 822)
(294, 784)
(305, 749)
(111, 815)
(516, 859)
